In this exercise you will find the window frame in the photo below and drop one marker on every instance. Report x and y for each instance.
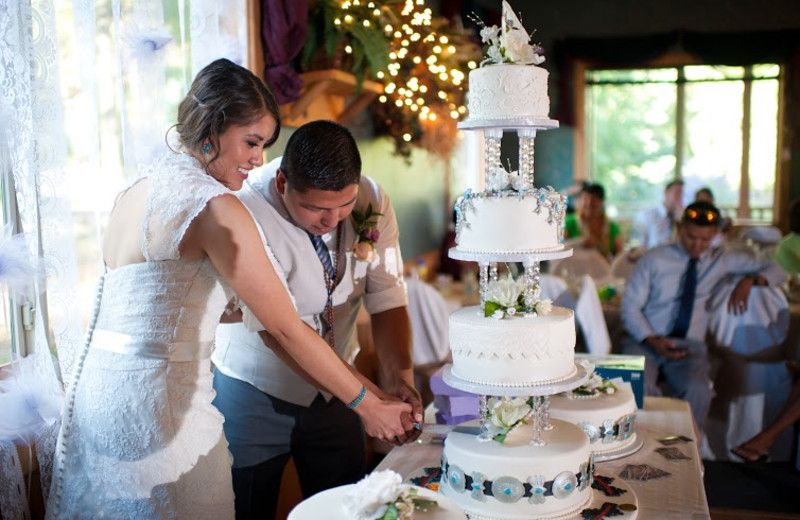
(679, 61)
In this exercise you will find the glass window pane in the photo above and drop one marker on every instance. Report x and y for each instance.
(763, 148)
(632, 76)
(712, 72)
(631, 140)
(766, 70)
(5, 310)
(713, 141)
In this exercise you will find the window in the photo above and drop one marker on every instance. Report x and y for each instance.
(711, 126)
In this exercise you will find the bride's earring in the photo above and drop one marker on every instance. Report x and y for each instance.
(207, 148)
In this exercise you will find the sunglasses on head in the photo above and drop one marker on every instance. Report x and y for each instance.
(701, 216)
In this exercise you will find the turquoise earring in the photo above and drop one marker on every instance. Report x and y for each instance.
(207, 148)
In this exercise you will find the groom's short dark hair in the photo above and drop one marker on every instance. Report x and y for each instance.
(321, 155)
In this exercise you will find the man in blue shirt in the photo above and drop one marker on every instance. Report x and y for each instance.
(664, 305)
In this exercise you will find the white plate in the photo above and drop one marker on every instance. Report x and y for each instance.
(327, 505)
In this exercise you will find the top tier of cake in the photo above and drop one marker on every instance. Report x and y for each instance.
(508, 92)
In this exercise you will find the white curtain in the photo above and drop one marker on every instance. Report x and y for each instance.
(88, 89)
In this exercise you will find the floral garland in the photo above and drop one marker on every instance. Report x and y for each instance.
(381, 495)
(505, 297)
(506, 414)
(365, 224)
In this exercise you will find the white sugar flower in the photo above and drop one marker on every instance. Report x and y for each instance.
(490, 35)
(498, 179)
(507, 412)
(371, 496)
(544, 307)
(505, 291)
(518, 48)
(499, 314)
(511, 311)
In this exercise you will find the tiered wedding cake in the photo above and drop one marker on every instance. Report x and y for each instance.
(515, 349)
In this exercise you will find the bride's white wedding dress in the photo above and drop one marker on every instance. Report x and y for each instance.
(140, 438)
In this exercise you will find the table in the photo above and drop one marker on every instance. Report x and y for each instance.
(679, 496)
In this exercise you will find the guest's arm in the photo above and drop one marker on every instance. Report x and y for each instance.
(756, 272)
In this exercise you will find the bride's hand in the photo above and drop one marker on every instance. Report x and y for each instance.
(382, 419)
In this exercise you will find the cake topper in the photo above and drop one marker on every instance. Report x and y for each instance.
(509, 43)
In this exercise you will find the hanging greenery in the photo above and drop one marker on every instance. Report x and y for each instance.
(347, 36)
(425, 81)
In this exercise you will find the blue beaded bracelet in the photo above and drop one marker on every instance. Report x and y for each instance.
(352, 404)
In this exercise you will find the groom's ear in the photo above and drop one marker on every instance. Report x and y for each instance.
(281, 182)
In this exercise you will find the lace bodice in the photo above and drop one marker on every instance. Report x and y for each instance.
(140, 438)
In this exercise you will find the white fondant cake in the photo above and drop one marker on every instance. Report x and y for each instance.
(609, 420)
(517, 480)
(508, 91)
(516, 351)
(508, 221)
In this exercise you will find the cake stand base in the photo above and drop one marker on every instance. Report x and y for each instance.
(579, 377)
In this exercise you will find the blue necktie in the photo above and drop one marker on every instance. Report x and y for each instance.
(687, 300)
(323, 254)
(330, 282)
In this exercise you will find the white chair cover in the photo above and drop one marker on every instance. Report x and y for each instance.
(751, 368)
(590, 318)
(430, 320)
(556, 289)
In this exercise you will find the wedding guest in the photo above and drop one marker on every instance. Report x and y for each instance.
(334, 234)
(656, 225)
(664, 305)
(706, 195)
(139, 435)
(787, 254)
(591, 223)
(756, 449)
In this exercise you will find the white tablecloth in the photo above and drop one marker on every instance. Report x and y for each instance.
(679, 496)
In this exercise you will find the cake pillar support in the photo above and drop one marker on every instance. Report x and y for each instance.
(526, 137)
(532, 280)
(491, 141)
(538, 426)
(483, 268)
(483, 409)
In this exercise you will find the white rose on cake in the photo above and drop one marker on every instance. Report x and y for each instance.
(519, 50)
(373, 494)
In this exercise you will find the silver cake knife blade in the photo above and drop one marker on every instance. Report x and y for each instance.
(444, 429)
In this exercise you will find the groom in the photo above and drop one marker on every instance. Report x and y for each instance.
(335, 237)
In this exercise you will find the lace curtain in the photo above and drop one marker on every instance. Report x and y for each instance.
(89, 89)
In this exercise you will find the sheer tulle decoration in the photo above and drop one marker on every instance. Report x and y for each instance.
(28, 405)
(20, 272)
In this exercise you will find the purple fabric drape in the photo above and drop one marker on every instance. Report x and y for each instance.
(284, 28)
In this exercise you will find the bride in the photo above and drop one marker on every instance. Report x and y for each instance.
(139, 437)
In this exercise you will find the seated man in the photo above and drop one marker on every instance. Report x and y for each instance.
(655, 226)
(664, 305)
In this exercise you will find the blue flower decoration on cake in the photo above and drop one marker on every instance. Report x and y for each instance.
(456, 478)
(537, 489)
(507, 489)
(564, 484)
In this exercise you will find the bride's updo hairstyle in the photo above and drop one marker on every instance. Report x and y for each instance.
(222, 95)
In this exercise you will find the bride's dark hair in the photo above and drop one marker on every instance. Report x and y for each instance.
(222, 95)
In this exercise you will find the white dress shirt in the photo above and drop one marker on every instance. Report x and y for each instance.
(379, 285)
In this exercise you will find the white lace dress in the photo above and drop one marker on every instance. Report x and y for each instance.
(140, 438)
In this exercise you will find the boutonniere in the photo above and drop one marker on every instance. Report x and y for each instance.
(365, 223)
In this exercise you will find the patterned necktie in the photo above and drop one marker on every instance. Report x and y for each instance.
(687, 301)
(323, 254)
(330, 283)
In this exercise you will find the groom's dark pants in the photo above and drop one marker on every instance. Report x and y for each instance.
(325, 439)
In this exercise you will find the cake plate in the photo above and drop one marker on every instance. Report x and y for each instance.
(526, 258)
(526, 123)
(622, 452)
(580, 377)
